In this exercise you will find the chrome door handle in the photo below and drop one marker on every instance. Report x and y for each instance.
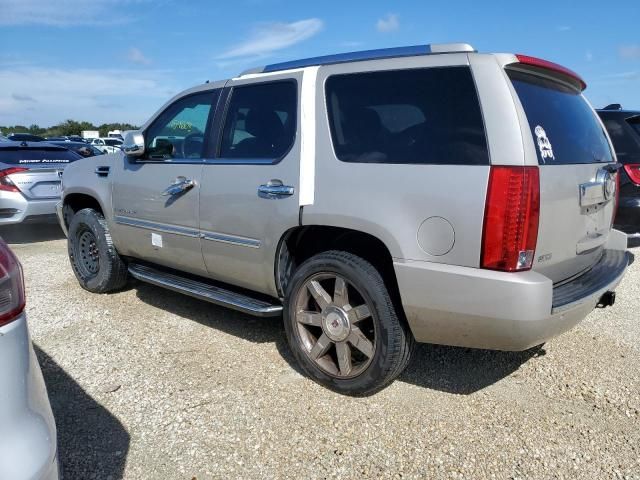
(102, 171)
(275, 189)
(180, 185)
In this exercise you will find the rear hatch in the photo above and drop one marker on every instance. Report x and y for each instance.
(35, 171)
(577, 170)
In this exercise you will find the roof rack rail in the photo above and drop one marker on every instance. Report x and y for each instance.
(395, 52)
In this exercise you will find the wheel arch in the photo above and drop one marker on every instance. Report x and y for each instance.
(76, 201)
(300, 243)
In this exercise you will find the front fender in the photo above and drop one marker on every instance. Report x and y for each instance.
(81, 178)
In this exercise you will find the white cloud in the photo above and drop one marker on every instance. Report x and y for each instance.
(630, 52)
(96, 95)
(588, 56)
(274, 36)
(389, 23)
(135, 55)
(62, 13)
(563, 28)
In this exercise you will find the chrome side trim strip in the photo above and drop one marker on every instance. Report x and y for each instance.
(231, 239)
(205, 291)
(188, 232)
(160, 227)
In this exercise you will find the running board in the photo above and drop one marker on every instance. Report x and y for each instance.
(205, 291)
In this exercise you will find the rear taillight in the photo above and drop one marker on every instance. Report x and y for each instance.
(6, 184)
(633, 171)
(512, 211)
(12, 299)
(554, 67)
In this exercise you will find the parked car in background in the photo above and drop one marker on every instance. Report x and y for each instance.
(25, 137)
(66, 138)
(107, 145)
(624, 129)
(28, 446)
(428, 193)
(30, 174)
(84, 149)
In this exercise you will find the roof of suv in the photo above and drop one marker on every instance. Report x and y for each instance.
(431, 49)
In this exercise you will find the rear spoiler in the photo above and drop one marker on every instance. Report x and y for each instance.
(545, 66)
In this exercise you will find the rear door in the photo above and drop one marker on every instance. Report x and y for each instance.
(250, 191)
(577, 183)
(36, 171)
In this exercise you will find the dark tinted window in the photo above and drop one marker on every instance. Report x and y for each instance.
(179, 131)
(564, 127)
(260, 121)
(33, 156)
(626, 140)
(407, 116)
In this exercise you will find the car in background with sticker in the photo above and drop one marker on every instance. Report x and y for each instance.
(30, 175)
(624, 129)
(373, 199)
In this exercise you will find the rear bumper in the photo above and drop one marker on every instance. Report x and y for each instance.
(15, 208)
(477, 308)
(27, 428)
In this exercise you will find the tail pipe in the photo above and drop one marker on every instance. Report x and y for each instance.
(607, 300)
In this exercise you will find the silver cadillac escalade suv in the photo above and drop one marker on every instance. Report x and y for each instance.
(373, 199)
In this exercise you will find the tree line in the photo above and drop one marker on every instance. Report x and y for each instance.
(69, 127)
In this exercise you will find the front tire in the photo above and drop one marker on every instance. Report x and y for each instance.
(93, 257)
(342, 326)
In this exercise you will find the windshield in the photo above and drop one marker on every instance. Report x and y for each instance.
(563, 125)
(31, 156)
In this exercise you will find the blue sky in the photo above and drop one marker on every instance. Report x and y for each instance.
(120, 60)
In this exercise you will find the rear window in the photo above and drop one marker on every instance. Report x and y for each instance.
(417, 116)
(564, 127)
(113, 142)
(625, 138)
(33, 156)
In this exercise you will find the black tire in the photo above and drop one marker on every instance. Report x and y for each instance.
(392, 338)
(93, 257)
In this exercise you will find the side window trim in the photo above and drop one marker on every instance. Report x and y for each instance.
(223, 108)
(207, 131)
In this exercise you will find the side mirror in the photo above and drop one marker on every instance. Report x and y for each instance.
(133, 145)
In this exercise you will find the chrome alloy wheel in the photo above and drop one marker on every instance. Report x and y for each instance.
(338, 336)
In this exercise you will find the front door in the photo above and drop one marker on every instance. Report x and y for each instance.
(250, 190)
(155, 197)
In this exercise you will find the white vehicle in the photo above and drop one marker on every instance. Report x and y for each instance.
(90, 134)
(115, 134)
(28, 448)
(107, 145)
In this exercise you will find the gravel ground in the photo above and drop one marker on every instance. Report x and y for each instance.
(148, 384)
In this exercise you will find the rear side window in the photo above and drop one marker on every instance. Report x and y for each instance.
(626, 140)
(33, 156)
(417, 116)
(261, 121)
(564, 127)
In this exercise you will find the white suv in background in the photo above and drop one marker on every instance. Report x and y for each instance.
(107, 144)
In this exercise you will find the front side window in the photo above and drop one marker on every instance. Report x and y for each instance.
(260, 121)
(417, 116)
(179, 131)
